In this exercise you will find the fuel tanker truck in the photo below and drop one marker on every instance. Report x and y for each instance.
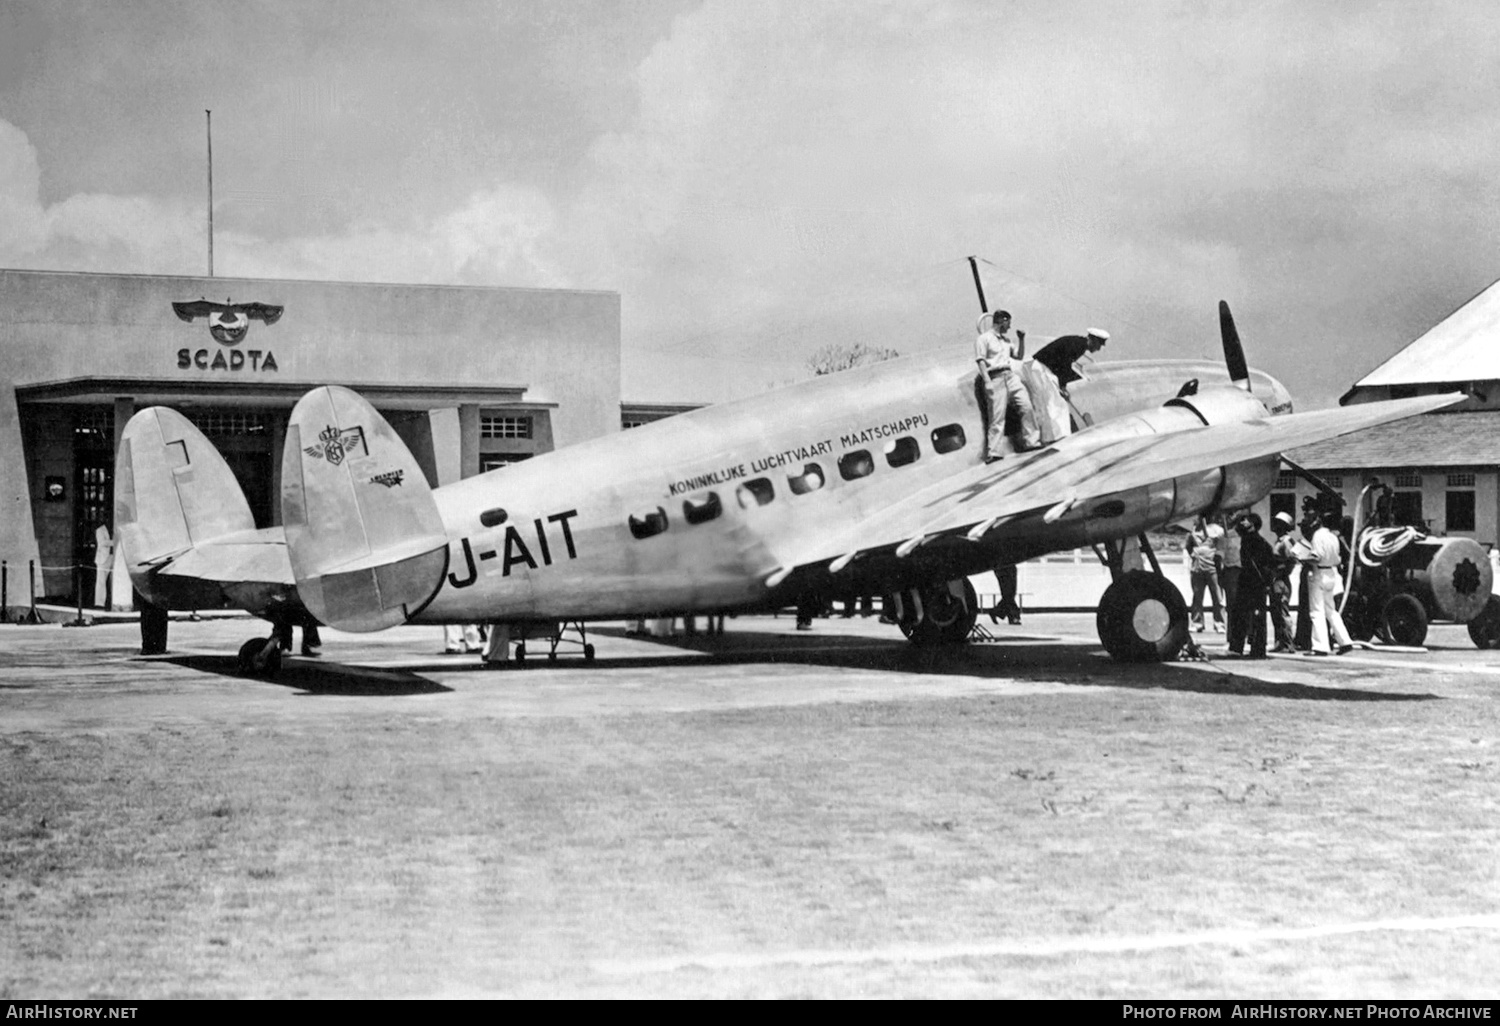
(1400, 579)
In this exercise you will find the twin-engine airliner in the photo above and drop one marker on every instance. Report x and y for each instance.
(870, 481)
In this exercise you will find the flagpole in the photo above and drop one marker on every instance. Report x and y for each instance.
(210, 115)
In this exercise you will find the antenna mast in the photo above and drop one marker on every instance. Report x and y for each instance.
(210, 115)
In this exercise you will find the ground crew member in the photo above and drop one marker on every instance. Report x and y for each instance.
(1285, 551)
(1247, 610)
(1322, 608)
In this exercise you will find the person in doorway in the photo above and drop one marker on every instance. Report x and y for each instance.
(104, 561)
(999, 359)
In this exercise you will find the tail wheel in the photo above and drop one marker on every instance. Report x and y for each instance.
(1142, 619)
(1405, 620)
(1484, 629)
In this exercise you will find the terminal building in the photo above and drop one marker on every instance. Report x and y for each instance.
(471, 378)
(1444, 467)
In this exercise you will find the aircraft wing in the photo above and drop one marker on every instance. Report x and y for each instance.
(1082, 467)
(247, 556)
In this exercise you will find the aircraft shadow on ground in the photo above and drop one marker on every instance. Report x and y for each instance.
(1037, 658)
(322, 678)
(1042, 658)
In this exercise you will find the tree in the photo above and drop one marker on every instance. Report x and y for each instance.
(831, 359)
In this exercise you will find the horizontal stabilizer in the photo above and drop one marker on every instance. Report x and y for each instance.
(173, 490)
(365, 538)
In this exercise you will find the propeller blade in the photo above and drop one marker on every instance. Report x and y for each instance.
(1234, 353)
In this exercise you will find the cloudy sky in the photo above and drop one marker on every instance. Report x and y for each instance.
(757, 179)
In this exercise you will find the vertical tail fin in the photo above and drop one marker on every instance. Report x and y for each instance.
(366, 541)
(172, 488)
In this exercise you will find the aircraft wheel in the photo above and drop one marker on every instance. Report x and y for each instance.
(521, 652)
(947, 618)
(956, 630)
(248, 652)
(552, 656)
(1484, 629)
(588, 653)
(1142, 619)
(1405, 620)
(271, 665)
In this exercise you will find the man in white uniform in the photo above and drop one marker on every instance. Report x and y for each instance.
(1322, 609)
(999, 360)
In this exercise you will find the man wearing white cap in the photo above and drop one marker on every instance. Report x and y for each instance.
(1061, 354)
(1287, 557)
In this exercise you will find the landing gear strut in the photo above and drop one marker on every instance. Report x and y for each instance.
(1142, 617)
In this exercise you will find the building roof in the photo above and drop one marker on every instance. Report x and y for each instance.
(1464, 346)
(1433, 440)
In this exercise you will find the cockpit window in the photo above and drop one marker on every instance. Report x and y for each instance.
(810, 480)
(901, 451)
(755, 493)
(856, 464)
(948, 438)
(644, 525)
(701, 509)
(493, 517)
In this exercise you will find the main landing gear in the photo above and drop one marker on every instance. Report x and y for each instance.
(261, 656)
(1142, 617)
(937, 614)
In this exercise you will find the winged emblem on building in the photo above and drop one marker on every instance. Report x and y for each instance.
(227, 322)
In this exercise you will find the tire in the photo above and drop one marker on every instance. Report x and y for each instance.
(588, 653)
(947, 618)
(1404, 620)
(1142, 619)
(247, 654)
(1484, 629)
(521, 652)
(272, 665)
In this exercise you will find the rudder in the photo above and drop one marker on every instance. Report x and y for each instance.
(172, 489)
(366, 541)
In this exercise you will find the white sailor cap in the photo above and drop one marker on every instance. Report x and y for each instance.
(1099, 333)
(1283, 518)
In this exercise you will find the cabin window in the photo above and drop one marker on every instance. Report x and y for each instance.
(644, 525)
(948, 438)
(856, 464)
(755, 493)
(493, 517)
(702, 509)
(810, 480)
(900, 452)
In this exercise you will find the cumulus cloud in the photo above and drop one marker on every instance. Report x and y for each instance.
(794, 174)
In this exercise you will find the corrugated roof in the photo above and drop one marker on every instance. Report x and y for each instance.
(1432, 440)
(1464, 346)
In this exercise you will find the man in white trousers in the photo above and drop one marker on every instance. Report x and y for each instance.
(1322, 609)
